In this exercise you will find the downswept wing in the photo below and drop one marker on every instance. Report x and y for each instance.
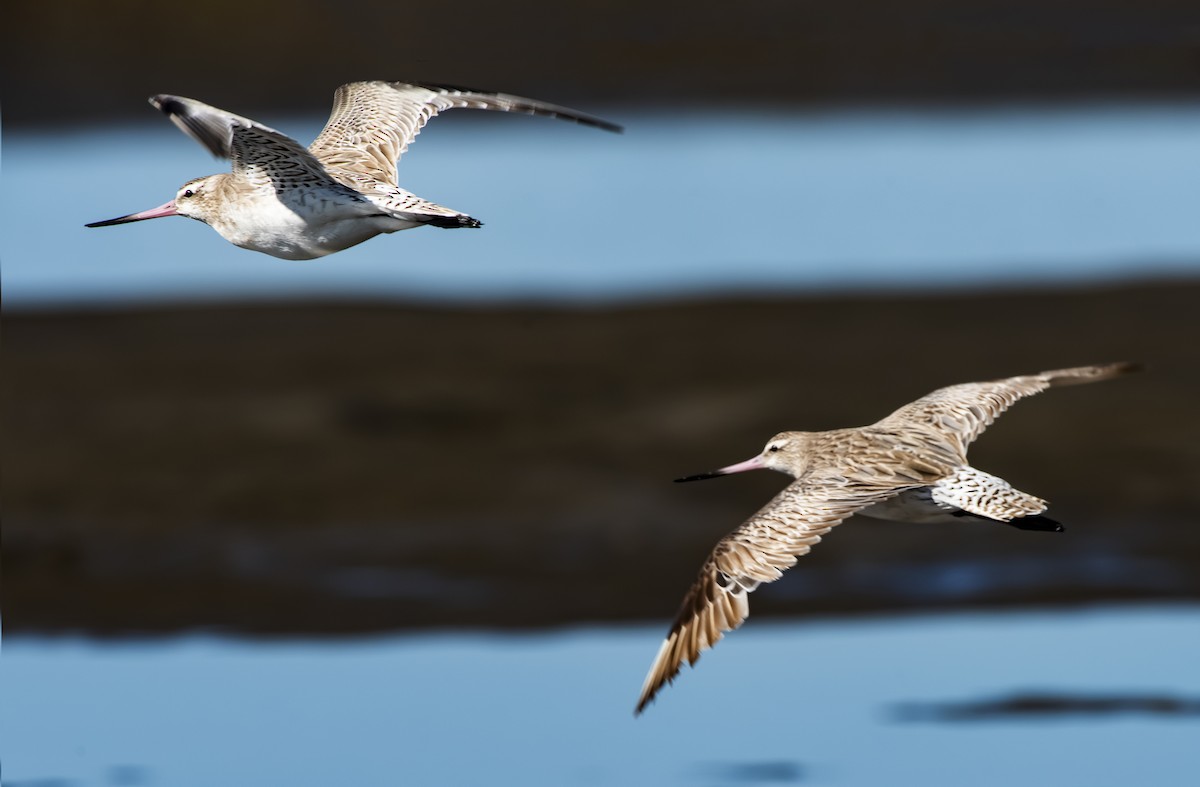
(373, 123)
(760, 550)
(962, 412)
(262, 155)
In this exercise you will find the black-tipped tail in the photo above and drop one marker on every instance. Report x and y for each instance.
(454, 222)
(1043, 524)
(1037, 522)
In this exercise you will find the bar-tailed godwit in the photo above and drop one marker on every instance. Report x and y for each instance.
(911, 466)
(297, 203)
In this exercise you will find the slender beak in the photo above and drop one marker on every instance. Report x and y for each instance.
(750, 464)
(153, 213)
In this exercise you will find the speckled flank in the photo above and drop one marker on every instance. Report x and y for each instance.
(912, 465)
(289, 202)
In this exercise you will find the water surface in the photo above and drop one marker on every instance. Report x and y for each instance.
(685, 203)
(812, 703)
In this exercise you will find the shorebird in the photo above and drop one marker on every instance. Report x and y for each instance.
(289, 202)
(911, 466)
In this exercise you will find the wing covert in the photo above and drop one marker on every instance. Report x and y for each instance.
(373, 123)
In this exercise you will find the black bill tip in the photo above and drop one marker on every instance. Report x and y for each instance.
(700, 477)
(110, 222)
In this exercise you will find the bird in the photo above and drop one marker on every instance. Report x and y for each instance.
(911, 466)
(298, 204)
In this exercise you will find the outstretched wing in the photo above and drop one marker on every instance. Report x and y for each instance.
(260, 154)
(759, 551)
(373, 123)
(962, 412)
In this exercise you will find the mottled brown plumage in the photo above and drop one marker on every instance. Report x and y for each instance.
(910, 466)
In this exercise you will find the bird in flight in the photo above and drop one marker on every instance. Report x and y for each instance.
(296, 203)
(911, 467)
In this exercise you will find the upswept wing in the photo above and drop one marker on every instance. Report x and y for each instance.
(373, 123)
(962, 412)
(262, 155)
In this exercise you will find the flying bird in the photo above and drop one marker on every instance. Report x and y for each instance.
(910, 467)
(296, 203)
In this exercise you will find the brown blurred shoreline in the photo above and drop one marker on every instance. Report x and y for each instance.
(79, 63)
(311, 469)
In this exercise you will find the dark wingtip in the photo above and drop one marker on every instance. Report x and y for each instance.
(168, 105)
(565, 113)
(595, 122)
(647, 700)
(1119, 369)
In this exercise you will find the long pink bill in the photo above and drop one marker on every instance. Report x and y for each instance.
(750, 464)
(153, 213)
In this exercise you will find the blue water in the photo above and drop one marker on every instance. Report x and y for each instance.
(813, 702)
(683, 203)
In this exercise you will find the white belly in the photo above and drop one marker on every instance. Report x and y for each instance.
(273, 228)
(915, 505)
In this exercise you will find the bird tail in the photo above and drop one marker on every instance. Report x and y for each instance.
(985, 495)
(406, 206)
(1042, 524)
(457, 221)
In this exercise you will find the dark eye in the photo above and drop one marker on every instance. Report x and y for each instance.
(773, 449)
(188, 192)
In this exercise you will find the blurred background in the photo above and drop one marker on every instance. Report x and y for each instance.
(337, 521)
